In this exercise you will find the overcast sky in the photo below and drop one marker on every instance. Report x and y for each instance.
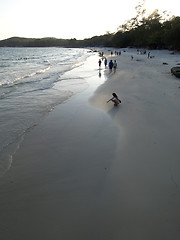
(70, 18)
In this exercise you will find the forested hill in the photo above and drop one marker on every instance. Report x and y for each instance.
(149, 32)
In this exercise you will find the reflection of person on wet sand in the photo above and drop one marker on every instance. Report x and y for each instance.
(115, 99)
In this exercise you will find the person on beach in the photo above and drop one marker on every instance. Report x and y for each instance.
(99, 62)
(105, 62)
(110, 65)
(115, 65)
(115, 99)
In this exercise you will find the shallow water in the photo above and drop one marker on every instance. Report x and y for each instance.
(28, 77)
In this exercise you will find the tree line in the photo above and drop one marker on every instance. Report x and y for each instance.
(154, 32)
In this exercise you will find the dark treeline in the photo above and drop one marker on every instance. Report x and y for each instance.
(151, 32)
(148, 32)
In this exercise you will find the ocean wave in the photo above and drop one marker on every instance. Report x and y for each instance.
(43, 70)
(18, 80)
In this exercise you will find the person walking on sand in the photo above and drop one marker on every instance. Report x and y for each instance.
(110, 65)
(115, 65)
(115, 99)
(105, 62)
(99, 62)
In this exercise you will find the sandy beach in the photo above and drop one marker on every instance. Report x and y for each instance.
(92, 171)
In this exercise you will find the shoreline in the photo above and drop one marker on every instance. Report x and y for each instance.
(59, 171)
(32, 90)
(93, 171)
(67, 89)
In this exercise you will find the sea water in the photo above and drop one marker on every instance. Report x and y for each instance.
(28, 77)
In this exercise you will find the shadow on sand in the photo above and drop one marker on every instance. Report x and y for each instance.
(113, 111)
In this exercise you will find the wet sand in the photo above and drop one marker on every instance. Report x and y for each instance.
(90, 170)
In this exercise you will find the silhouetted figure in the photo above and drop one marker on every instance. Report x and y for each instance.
(105, 62)
(110, 65)
(115, 99)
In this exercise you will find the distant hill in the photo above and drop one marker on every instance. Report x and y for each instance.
(54, 42)
(34, 42)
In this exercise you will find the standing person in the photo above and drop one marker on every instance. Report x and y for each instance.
(115, 65)
(105, 62)
(99, 62)
(110, 65)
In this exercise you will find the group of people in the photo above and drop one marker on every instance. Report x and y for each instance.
(112, 65)
(116, 53)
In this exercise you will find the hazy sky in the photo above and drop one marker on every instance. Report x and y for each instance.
(70, 18)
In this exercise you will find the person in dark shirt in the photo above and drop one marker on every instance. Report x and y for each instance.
(110, 65)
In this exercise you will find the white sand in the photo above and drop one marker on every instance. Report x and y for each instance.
(99, 172)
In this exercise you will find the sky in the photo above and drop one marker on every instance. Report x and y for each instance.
(71, 18)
